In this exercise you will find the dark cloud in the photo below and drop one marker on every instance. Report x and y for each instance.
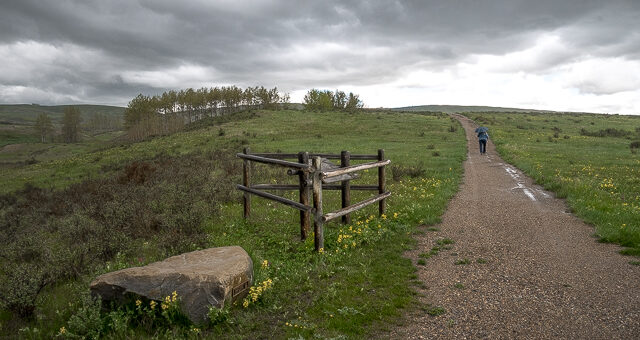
(124, 47)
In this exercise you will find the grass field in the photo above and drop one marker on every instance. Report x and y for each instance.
(16, 134)
(591, 160)
(355, 288)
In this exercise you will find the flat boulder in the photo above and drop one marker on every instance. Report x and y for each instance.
(203, 278)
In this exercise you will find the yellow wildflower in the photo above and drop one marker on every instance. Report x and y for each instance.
(245, 303)
(164, 306)
(395, 215)
(138, 303)
(152, 304)
(321, 250)
(174, 296)
(265, 264)
(63, 330)
(384, 217)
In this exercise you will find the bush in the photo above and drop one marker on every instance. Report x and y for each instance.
(50, 236)
(20, 286)
(86, 322)
(609, 132)
(399, 171)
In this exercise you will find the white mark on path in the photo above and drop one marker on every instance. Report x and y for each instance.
(513, 173)
(529, 194)
(520, 184)
(541, 192)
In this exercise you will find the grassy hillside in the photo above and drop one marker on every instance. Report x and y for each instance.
(26, 114)
(16, 134)
(138, 203)
(17, 127)
(460, 108)
(591, 160)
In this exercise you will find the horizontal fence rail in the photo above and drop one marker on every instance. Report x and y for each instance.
(314, 176)
(327, 175)
(312, 155)
(333, 215)
(324, 187)
(273, 161)
(275, 198)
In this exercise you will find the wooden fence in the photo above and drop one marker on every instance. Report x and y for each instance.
(314, 176)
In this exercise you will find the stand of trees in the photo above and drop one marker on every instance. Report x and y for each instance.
(169, 112)
(44, 127)
(317, 100)
(100, 122)
(71, 124)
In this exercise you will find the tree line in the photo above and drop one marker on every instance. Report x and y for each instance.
(168, 112)
(318, 100)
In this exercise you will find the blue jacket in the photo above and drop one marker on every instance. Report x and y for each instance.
(483, 136)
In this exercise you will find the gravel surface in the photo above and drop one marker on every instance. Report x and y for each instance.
(535, 271)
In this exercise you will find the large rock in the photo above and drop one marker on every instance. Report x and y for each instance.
(204, 278)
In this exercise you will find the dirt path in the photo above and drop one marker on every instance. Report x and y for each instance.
(545, 276)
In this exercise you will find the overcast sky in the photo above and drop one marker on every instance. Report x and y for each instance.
(566, 55)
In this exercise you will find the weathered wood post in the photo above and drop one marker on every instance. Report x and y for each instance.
(318, 228)
(305, 216)
(246, 179)
(382, 205)
(345, 160)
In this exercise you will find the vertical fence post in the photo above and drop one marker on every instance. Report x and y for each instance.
(382, 205)
(318, 229)
(345, 159)
(303, 157)
(246, 179)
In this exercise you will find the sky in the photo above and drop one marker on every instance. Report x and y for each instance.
(569, 55)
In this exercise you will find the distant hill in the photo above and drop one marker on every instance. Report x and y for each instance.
(26, 114)
(460, 108)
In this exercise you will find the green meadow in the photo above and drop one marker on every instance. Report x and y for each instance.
(591, 160)
(185, 184)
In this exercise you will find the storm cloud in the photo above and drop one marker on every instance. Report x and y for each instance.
(574, 55)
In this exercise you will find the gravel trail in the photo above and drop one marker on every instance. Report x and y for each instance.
(535, 271)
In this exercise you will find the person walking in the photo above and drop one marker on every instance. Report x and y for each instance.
(483, 137)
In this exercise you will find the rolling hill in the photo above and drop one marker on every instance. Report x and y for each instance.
(25, 114)
(460, 108)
